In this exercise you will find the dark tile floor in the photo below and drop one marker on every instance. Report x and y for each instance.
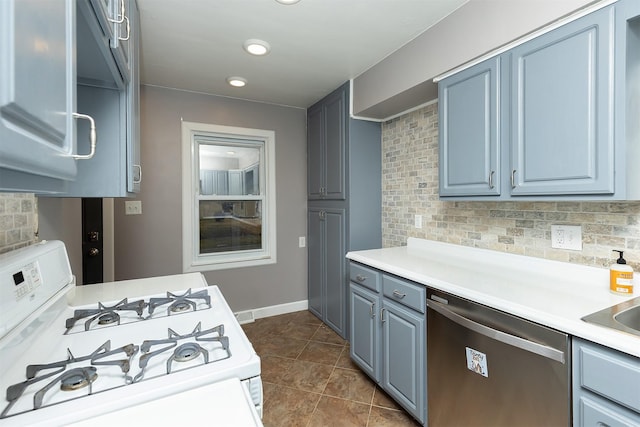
(310, 381)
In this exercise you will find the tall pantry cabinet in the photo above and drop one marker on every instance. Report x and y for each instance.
(344, 201)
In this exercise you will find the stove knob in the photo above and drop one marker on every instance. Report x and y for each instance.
(94, 251)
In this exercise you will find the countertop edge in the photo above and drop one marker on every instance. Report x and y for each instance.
(571, 323)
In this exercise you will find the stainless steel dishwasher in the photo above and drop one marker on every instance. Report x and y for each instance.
(489, 368)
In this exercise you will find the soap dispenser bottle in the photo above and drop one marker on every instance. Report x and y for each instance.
(621, 276)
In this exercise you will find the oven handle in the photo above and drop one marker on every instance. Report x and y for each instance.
(512, 340)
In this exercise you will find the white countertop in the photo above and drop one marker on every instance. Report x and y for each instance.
(551, 293)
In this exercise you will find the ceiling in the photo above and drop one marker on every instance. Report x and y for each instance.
(316, 45)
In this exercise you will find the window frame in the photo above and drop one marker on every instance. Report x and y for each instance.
(192, 261)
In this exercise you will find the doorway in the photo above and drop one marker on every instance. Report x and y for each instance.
(92, 241)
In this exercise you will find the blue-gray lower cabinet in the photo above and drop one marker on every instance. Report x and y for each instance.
(326, 246)
(388, 336)
(606, 386)
(404, 356)
(365, 348)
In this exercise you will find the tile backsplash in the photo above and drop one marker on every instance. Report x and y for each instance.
(410, 187)
(18, 220)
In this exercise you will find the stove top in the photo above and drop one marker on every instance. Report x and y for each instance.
(104, 315)
(64, 363)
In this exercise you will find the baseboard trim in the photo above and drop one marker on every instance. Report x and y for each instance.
(249, 316)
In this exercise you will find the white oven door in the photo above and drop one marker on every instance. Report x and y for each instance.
(224, 403)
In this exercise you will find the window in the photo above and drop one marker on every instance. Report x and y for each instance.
(228, 197)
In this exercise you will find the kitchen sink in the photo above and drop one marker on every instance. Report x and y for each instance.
(622, 317)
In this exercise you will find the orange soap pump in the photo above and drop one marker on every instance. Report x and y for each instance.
(621, 276)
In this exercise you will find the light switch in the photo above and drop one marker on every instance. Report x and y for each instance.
(301, 242)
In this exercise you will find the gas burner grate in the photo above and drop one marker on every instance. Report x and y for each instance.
(180, 303)
(185, 352)
(105, 315)
(71, 379)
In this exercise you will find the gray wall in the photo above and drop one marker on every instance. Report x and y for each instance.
(151, 244)
(403, 79)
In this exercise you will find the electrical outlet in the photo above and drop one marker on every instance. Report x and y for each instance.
(133, 207)
(418, 221)
(566, 237)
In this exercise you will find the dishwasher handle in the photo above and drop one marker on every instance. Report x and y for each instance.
(512, 340)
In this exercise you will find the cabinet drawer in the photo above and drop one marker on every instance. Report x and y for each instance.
(599, 412)
(406, 293)
(365, 276)
(610, 374)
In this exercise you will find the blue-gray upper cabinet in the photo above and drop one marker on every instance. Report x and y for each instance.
(469, 137)
(122, 42)
(114, 25)
(537, 121)
(37, 95)
(326, 140)
(112, 99)
(562, 139)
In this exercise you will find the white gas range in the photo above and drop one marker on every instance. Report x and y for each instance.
(71, 354)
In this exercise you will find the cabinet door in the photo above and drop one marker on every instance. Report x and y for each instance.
(122, 30)
(315, 153)
(364, 331)
(221, 183)
(315, 247)
(469, 136)
(134, 166)
(335, 140)
(594, 411)
(404, 356)
(335, 270)
(561, 94)
(235, 182)
(37, 94)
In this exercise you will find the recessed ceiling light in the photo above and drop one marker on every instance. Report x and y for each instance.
(256, 47)
(236, 81)
(287, 1)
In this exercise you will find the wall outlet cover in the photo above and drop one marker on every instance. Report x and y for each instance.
(566, 237)
(133, 207)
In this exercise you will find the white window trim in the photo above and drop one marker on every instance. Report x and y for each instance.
(190, 215)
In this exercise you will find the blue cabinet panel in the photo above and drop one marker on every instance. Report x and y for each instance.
(364, 306)
(537, 121)
(315, 248)
(469, 137)
(403, 338)
(606, 386)
(335, 264)
(388, 340)
(37, 94)
(562, 131)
